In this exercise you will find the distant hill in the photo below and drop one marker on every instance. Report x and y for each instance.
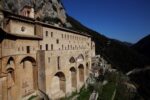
(143, 46)
(128, 43)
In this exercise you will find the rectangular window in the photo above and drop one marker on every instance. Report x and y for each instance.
(51, 34)
(40, 47)
(46, 33)
(51, 46)
(57, 41)
(46, 46)
(28, 49)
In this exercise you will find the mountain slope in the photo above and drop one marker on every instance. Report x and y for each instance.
(143, 46)
(118, 54)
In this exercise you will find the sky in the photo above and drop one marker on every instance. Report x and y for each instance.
(125, 20)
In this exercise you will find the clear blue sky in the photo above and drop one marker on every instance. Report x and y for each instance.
(125, 20)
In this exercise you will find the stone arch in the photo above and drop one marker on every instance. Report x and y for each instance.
(73, 77)
(80, 58)
(31, 59)
(62, 81)
(81, 72)
(29, 75)
(10, 63)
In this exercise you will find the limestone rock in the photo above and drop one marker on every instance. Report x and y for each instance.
(50, 11)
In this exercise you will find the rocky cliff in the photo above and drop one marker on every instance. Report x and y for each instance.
(49, 11)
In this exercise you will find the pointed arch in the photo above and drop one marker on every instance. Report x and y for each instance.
(72, 60)
(80, 58)
(81, 72)
(62, 81)
(10, 63)
(29, 75)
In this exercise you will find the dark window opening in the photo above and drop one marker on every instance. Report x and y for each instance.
(51, 34)
(57, 41)
(46, 33)
(46, 46)
(51, 46)
(28, 49)
(28, 12)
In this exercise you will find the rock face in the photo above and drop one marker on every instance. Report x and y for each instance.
(49, 11)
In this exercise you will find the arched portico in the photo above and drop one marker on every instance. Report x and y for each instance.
(73, 77)
(58, 85)
(28, 75)
(62, 81)
(81, 72)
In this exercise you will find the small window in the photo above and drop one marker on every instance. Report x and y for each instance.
(58, 61)
(22, 28)
(40, 47)
(28, 12)
(51, 34)
(46, 46)
(46, 33)
(57, 41)
(22, 49)
(51, 46)
(28, 49)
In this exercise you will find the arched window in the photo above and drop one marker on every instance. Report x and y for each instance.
(80, 58)
(72, 60)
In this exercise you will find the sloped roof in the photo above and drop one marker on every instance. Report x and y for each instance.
(33, 21)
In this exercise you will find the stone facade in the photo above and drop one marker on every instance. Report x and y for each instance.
(41, 59)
